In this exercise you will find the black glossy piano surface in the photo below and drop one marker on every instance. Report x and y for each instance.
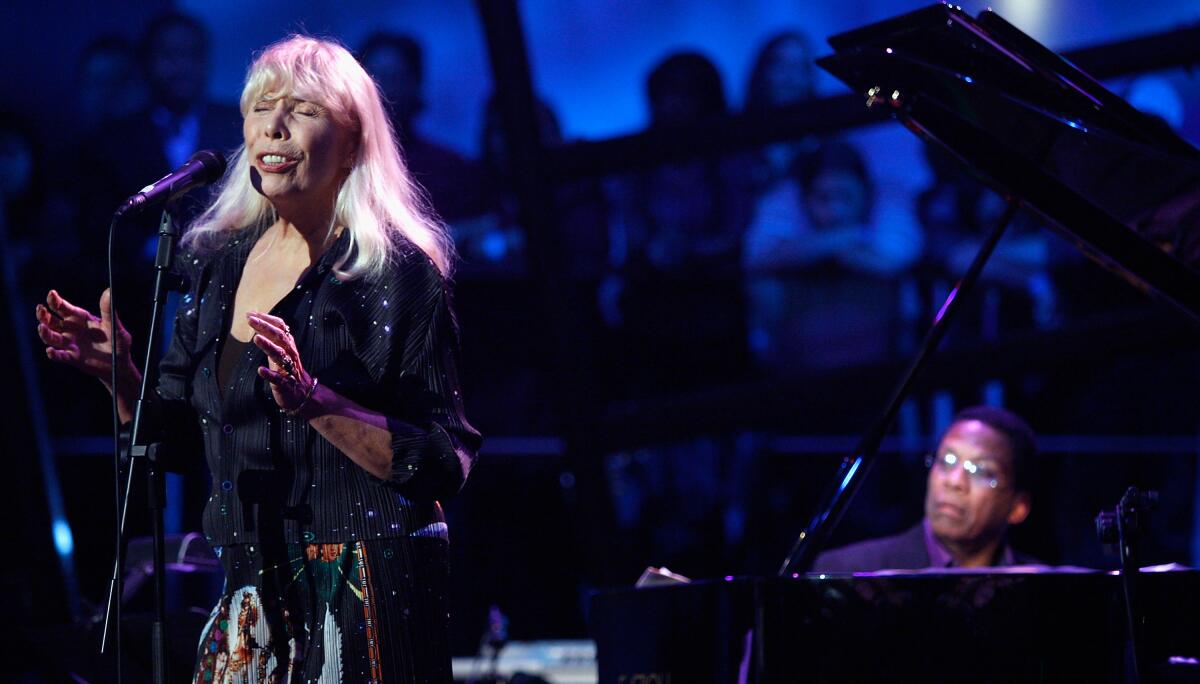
(979, 627)
(1120, 185)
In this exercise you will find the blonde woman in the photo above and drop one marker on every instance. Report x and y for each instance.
(313, 364)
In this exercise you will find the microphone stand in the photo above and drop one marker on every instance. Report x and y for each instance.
(1123, 526)
(152, 455)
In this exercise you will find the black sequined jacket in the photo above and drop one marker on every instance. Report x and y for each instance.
(388, 343)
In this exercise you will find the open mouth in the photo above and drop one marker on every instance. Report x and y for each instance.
(273, 162)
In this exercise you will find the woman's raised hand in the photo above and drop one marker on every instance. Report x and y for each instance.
(78, 338)
(291, 385)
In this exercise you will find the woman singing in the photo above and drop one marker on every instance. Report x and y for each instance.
(313, 361)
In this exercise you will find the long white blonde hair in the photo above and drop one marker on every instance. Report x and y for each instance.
(378, 199)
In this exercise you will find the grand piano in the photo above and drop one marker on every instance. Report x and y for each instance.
(927, 627)
(1125, 190)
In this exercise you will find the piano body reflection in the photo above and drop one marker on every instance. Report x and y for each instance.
(1125, 190)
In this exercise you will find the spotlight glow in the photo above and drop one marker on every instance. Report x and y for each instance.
(64, 541)
(1034, 17)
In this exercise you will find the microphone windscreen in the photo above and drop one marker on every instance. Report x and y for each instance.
(214, 164)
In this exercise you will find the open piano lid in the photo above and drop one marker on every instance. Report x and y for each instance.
(1118, 183)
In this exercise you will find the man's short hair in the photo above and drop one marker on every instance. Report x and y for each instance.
(692, 75)
(1020, 436)
(408, 47)
(164, 21)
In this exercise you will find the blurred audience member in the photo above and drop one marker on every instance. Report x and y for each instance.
(1157, 96)
(39, 243)
(34, 225)
(1176, 222)
(673, 303)
(454, 183)
(179, 119)
(109, 81)
(16, 168)
(782, 73)
(674, 297)
(124, 154)
(684, 89)
(782, 76)
(957, 213)
(690, 506)
(128, 153)
(498, 268)
(18, 200)
(109, 87)
(825, 267)
(495, 239)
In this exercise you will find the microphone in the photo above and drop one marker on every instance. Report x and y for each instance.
(205, 167)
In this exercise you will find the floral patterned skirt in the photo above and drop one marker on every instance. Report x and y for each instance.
(367, 611)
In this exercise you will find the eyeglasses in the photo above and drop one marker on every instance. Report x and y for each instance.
(979, 473)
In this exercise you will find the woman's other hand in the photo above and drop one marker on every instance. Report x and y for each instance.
(78, 338)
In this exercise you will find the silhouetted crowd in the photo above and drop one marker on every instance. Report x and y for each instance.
(787, 258)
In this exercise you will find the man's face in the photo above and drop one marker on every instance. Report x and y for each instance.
(108, 86)
(178, 67)
(962, 507)
(398, 79)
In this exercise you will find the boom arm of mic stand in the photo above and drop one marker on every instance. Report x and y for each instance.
(854, 468)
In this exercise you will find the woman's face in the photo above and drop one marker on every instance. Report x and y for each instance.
(299, 154)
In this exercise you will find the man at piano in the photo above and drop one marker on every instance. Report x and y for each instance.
(979, 485)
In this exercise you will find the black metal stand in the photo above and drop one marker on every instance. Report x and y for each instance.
(157, 496)
(152, 455)
(853, 469)
(1123, 526)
